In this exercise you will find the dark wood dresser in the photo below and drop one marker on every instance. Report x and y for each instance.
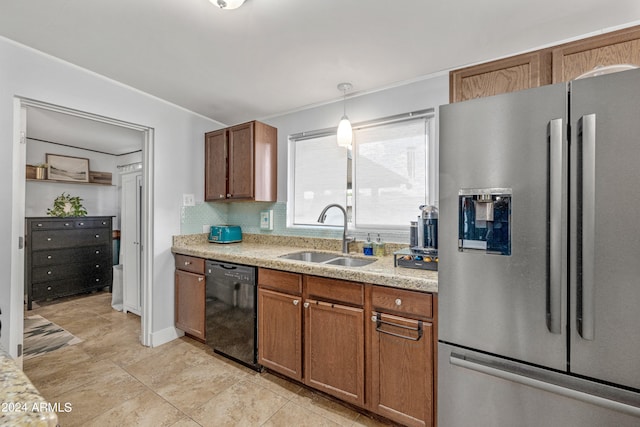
(67, 256)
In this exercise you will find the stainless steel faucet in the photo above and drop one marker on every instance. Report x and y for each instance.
(345, 239)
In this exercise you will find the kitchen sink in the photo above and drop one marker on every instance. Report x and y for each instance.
(310, 256)
(327, 258)
(350, 262)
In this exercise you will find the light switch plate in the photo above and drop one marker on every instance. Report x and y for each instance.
(188, 200)
(266, 220)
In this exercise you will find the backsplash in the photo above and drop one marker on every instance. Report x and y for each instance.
(247, 216)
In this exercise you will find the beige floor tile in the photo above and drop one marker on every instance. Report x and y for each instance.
(321, 405)
(186, 422)
(145, 410)
(245, 404)
(101, 394)
(284, 388)
(294, 415)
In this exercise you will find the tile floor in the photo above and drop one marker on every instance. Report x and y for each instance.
(110, 379)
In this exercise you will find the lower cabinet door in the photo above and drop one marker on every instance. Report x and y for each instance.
(402, 369)
(334, 350)
(190, 303)
(280, 333)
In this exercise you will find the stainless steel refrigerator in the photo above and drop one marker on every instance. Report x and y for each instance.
(539, 273)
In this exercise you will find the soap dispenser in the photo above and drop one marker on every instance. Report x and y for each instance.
(378, 247)
(367, 247)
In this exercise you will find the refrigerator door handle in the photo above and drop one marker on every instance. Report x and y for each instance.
(556, 209)
(607, 397)
(586, 281)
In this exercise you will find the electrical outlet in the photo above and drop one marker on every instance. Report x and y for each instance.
(188, 200)
(266, 220)
(206, 228)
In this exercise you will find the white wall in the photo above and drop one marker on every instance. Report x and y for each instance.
(178, 161)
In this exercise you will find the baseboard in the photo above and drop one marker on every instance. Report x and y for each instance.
(164, 336)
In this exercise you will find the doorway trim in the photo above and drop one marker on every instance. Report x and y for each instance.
(147, 211)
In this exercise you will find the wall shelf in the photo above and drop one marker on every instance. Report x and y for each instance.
(55, 181)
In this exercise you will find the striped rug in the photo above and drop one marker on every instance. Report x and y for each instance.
(42, 336)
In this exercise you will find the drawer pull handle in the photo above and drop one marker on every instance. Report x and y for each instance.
(49, 256)
(97, 280)
(48, 288)
(187, 263)
(296, 301)
(66, 224)
(97, 236)
(49, 272)
(82, 223)
(48, 239)
(97, 265)
(398, 302)
(380, 322)
(200, 279)
(39, 225)
(306, 305)
(97, 252)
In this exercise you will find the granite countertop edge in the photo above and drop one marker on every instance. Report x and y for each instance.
(381, 272)
(21, 402)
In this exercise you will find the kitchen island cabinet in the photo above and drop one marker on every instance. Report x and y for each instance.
(241, 163)
(190, 293)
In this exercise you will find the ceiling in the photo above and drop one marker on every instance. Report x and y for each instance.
(270, 57)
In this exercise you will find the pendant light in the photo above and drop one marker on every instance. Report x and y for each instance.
(345, 131)
(228, 4)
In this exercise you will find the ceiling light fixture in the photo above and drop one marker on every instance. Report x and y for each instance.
(345, 131)
(228, 4)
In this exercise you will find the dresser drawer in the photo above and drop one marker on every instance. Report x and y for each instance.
(63, 256)
(190, 263)
(334, 290)
(402, 301)
(58, 288)
(56, 239)
(58, 272)
(92, 223)
(52, 225)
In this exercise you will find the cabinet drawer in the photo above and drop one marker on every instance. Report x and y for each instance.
(190, 263)
(290, 283)
(63, 256)
(57, 239)
(402, 301)
(68, 271)
(92, 223)
(335, 290)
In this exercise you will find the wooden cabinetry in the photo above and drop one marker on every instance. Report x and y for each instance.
(67, 256)
(552, 65)
(241, 163)
(334, 337)
(506, 75)
(402, 342)
(573, 59)
(190, 295)
(280, 322)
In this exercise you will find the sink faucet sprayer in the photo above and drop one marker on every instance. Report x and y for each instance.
(345, 239)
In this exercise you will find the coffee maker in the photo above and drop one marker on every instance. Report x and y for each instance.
(423, 250)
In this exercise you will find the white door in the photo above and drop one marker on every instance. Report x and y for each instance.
(130, 239)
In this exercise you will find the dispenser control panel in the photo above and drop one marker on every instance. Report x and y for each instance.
(484, 223)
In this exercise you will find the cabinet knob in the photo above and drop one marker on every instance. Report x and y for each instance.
(97, 236)
(48, 288)
(49, 272)
(228, 195)
(48, 239)
(97, 252)
(66, 224)
(49, 257)
(221, 196)
(200, 279)
(82, 223)
(97, 265)
(374, 319)
(39, 225)
(306, 305)
(97, 280)
(398, 301)
(296, 301)
(187, 262)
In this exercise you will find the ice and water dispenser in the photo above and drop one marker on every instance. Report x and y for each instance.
(485, 220)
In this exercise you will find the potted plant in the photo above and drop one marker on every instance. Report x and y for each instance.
(66, 205)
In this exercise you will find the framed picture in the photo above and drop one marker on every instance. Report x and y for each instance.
(67, 168)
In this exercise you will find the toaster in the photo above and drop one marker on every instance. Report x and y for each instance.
(225, 234)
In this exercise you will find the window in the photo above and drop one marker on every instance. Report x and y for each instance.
(382, 180)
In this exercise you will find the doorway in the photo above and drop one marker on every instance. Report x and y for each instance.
(82, 122)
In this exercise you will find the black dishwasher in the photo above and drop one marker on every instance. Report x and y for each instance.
(231, 311)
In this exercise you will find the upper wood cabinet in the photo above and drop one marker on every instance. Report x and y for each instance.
(241, 163)
(552, 65)
(505, 75)
(573, 59)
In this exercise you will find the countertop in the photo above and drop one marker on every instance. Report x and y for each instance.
(264, 251)
(20, 402)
